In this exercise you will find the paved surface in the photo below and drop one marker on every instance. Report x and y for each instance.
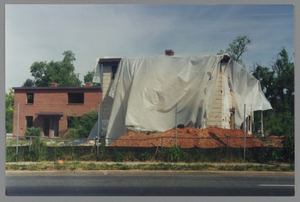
(203, 184)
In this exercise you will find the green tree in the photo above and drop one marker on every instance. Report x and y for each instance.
(28, 83)
(9, 111)
(69, 56)
(60, 72)
(237, 48)
(85, 123)
(89, 78)
(277, 83)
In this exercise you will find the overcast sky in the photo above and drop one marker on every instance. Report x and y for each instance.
(44, 32)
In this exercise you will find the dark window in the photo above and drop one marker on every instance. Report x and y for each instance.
(29, 121)
(29, 97)
(70, 122)
(75, 97)
(113, 70)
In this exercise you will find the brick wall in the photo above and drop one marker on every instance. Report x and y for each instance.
(52, 100)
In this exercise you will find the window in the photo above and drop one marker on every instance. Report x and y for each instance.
(29, 121)
(75, 98)
(29, 97)
(70, 122)
(113, 70)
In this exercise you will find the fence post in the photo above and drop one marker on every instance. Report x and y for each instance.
(176, 125)
(262, 124)
(30, 144)
(244, 131)
(17, 130)
(73, 143)
(227, 145)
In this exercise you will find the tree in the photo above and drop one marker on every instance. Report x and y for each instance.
(9, 111)
(69, 56)
(267, 81)
(277, 83)
(60, 72)
(89, 78)
(237, 48)
(28, 83)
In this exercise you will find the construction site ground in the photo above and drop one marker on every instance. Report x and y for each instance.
(211, 137)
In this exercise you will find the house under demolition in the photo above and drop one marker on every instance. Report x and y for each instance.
(149, 93)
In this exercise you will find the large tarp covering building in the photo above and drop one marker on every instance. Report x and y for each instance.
(148, 91)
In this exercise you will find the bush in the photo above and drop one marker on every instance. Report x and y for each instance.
(73, 134)
(145, 156)
(85, 123)
(32, 131)
(175, 154)
(289, 148)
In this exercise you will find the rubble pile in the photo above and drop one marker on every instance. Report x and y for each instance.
(187, 138)
(275, 141)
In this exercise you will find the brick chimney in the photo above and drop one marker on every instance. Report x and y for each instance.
(169, 52)
(88, 84)
(53, 84)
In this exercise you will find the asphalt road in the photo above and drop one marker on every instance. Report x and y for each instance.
(150, 185)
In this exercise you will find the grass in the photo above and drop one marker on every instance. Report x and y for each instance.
(172, 154)
(160, 166)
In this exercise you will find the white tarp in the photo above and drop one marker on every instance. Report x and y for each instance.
(146, 91)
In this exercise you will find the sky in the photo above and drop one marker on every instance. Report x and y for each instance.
(43, 32)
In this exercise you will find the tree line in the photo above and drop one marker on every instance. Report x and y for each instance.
(60, 72)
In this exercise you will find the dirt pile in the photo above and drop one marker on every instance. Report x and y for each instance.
(212, 137)
(275, 141)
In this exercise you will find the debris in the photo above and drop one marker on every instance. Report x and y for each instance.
(50, 142)
(187, 138)
(60, 161)
(275, 141)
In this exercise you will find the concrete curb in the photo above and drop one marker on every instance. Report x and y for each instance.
(148, 172)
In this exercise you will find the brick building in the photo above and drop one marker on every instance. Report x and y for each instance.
(50, 108)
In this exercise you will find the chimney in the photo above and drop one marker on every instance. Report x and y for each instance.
(88, 84)
(53, 84)
(169, 52)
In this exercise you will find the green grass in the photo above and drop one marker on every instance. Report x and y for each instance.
(172, 154)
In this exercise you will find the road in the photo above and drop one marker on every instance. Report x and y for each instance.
(150, 185)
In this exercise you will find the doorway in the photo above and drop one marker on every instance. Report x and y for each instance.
(55, 127)
(46, 127)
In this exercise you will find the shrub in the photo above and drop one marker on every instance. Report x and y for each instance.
(32, 131)
(145, 156)
(85, 123)
(289, 147)
(175, 154)
(118, 157)
(73, 134)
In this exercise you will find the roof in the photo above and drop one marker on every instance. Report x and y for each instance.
(90, 88)
(50, 114)
(226, 58)
(108, 60)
